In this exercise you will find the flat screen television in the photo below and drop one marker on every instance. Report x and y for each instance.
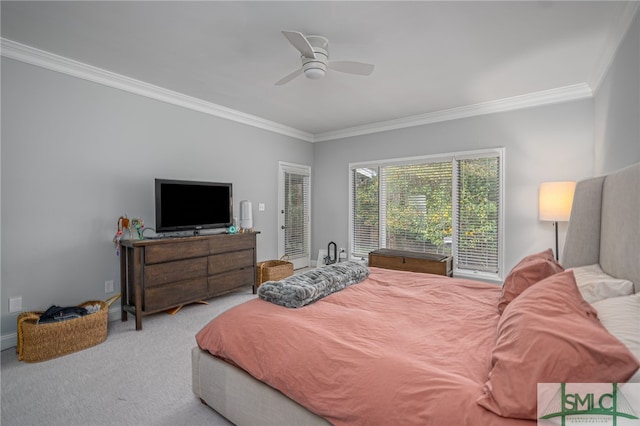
(189, 205)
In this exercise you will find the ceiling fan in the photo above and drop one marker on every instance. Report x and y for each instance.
(314, 51)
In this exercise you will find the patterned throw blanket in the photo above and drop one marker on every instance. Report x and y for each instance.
(305, 288)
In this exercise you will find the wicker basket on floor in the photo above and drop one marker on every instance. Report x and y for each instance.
(274, 270)
(41, 342)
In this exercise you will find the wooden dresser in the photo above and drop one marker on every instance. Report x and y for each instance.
(401, 260)
(160, 274)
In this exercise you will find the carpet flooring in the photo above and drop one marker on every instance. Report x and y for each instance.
(133, 378)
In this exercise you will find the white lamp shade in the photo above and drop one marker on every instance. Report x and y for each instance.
(555, 200)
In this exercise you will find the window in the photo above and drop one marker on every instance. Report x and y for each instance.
(440, 204)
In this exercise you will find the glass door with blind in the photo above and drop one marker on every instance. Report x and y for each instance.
(293, 218)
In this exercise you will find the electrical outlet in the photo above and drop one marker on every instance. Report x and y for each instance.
(15, 304)
(108, 286)
(261, 207)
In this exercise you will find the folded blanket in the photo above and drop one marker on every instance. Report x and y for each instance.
(305, 288)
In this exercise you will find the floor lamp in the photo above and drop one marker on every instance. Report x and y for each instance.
(555, 203)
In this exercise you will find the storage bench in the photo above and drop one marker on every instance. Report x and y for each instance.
(402, 260)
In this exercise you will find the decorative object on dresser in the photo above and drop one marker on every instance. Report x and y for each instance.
(401, 260)
(158, 275)
(246, 216)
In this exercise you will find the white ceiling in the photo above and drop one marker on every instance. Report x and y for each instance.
(429, 56)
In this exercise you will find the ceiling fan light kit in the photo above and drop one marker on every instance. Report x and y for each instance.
(314, 73)
(314, 54)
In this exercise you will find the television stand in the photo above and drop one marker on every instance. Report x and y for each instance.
(157, 275)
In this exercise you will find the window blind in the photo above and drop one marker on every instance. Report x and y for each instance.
(417, 207)
(365, 218)
(296, 213)
(478, 214)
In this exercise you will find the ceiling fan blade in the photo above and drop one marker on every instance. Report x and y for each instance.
(289, 77)
(300, 42)
(351, 67)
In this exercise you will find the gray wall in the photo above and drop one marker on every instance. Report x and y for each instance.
(77, 155)
(617, 107)
(541, 144)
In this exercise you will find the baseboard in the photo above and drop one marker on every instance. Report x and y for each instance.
(115, 313)
(11, 340)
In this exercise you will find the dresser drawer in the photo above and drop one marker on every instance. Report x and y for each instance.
(227, 243)
(170, 295)
(178, 250)
(164, 273)
(219, 263)
(230, 280)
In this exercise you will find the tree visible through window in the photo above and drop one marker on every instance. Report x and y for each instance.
(446, 205)
(478, 214)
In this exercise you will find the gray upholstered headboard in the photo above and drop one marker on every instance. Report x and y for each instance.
(605, 225)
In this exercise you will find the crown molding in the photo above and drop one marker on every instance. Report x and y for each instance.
(546, 97)
(20, 52)
(40, 58)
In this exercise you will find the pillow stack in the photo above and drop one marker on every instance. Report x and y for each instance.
(550, 334)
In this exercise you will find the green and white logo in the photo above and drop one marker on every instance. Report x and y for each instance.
(588, 403)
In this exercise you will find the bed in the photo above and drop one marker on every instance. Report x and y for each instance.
(409, 348)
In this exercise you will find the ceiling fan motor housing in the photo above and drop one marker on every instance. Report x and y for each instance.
(314, 68)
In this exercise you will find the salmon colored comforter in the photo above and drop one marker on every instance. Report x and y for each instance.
(399, 348)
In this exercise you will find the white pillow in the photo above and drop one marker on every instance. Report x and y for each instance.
(595, 284)
(621, 317)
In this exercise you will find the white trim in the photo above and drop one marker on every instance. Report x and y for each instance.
(9, 341)
(608, 55)
(429, 158)
(115, 313)
(298, 169)
(546, 97)
(502, 224)
(20, 52)
(478, 276)
(40, 58)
